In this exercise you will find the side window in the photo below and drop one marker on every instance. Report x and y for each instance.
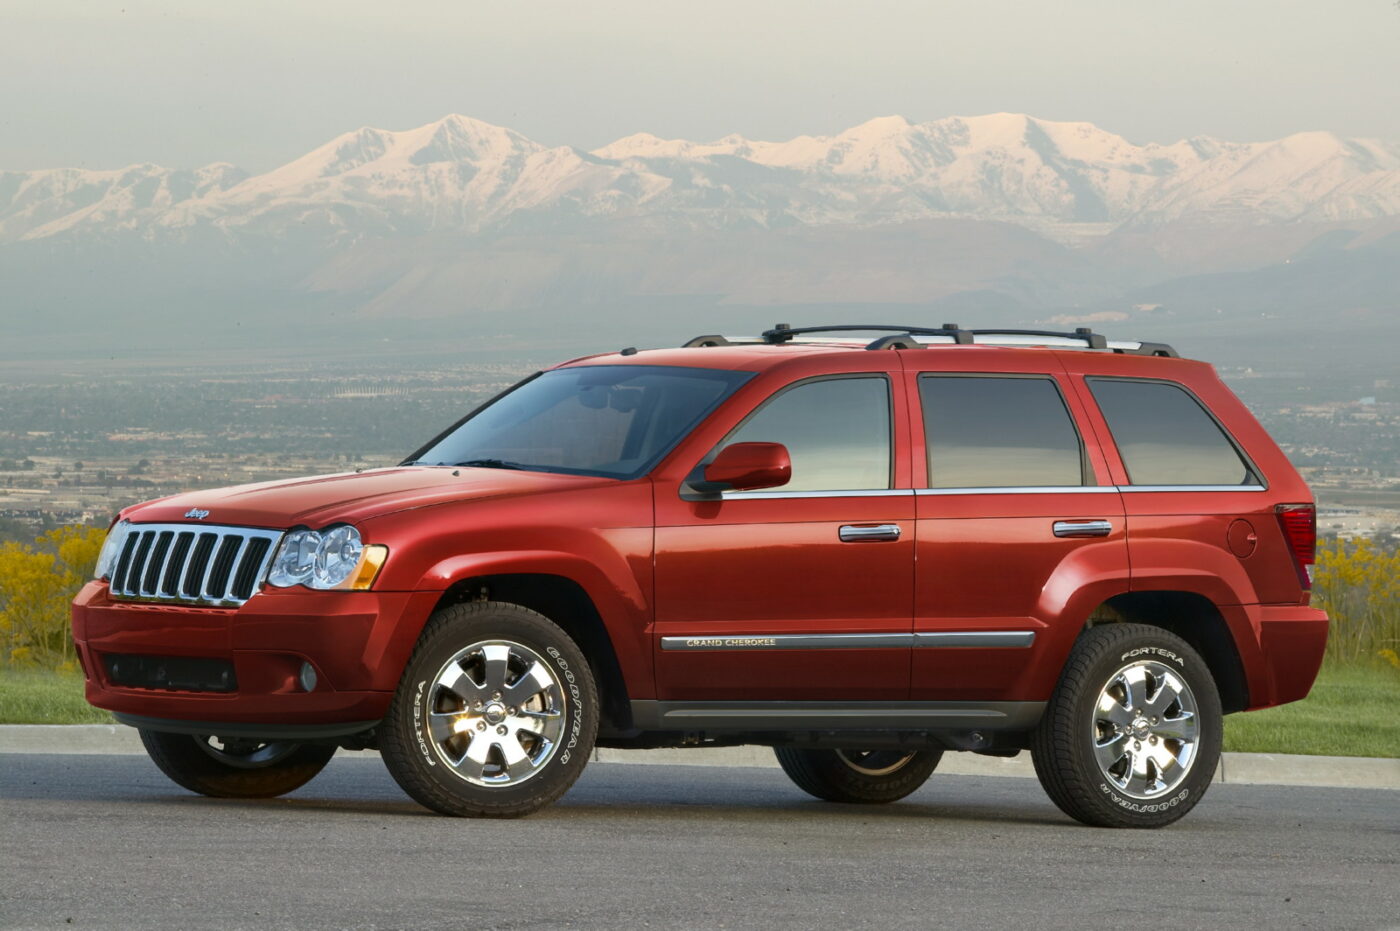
(837, 432)
(998, 432)
(1165, 437)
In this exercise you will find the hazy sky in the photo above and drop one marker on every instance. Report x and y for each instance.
(104, 84)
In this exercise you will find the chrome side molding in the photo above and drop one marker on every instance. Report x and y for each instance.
(922, 639)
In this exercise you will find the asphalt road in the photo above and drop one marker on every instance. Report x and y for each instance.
(106, 841)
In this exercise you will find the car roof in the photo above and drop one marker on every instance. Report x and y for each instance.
(784, 344)
(756, 357)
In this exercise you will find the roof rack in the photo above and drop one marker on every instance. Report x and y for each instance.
(903, 337)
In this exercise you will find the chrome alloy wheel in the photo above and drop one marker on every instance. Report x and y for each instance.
(1146, 729)
(242, 753)
(875, 762)
(495, 712)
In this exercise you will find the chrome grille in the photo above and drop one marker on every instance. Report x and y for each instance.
(192, 564)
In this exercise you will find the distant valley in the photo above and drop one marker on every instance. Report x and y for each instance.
(461, 230)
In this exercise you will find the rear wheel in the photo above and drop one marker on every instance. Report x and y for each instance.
(495, 715)
(234, 767)
(858, 776)
(1131, 737)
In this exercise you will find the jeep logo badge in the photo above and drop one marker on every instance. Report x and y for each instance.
(196, 513)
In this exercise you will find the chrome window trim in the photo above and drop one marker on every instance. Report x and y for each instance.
(845, 493)
(920, 640)
(991, 490)
(1022, 490)
(1250, 487)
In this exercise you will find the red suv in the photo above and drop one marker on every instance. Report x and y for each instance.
(863, 554)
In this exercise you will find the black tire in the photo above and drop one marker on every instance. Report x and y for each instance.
(866, 777)
(450, 749)
(234, 767)
(1079, 734)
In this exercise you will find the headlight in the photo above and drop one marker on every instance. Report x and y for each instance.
(111, 549)
(333, 558)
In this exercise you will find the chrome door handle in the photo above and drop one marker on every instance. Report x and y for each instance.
(850, 533)
(1082, 528)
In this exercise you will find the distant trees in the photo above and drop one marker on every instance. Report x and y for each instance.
(1356, 581)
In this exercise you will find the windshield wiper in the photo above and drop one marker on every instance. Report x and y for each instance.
(490, 464)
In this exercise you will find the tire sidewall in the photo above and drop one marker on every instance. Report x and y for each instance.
(1176, 655)
(408, 729)
(823, 773)
(187, 764)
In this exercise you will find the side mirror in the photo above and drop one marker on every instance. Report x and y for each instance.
(746, 466)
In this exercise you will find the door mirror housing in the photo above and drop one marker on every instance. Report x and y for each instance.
(748, 466)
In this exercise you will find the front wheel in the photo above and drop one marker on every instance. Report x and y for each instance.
(232, 767)
(495, 715)
(1131, 737)
(857, 776)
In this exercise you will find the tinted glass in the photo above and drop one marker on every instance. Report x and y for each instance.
(613, 420)
(998, 433)
(837, 432)
(1165, 437)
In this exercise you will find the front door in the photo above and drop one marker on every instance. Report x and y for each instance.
(803, 592)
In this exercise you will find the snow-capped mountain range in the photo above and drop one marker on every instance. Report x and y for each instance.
(463, 175)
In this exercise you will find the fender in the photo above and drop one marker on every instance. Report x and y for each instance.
(1191, 566)
(619, 600)
(1086, 578)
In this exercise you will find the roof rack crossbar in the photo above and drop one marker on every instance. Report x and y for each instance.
(782, 332)
(902, 337)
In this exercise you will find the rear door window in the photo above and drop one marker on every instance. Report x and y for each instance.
(999, 432)
(1166, 437)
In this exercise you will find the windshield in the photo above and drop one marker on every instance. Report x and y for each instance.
(613, 420)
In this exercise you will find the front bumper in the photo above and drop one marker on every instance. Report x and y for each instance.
(357, 642)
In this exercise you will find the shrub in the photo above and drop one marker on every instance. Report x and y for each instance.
(1358, 584)
(37, 583)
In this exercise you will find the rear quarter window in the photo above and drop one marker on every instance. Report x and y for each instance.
(1166, 437)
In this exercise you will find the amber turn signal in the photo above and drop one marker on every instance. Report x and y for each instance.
(371, 561)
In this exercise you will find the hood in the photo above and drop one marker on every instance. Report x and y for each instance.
(349, 497)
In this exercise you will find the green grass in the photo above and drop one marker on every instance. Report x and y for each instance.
(38, 697)
(1351, 711)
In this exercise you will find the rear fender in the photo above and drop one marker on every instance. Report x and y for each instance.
(1191, 566)
(1085, 579)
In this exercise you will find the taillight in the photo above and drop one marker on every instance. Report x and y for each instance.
(1299, 522)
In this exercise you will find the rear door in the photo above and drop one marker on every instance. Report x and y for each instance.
(1020, 529)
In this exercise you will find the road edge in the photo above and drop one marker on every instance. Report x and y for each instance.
(1235, 768)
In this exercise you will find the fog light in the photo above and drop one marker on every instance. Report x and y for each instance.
(307, 677)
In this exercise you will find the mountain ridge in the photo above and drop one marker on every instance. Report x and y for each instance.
(1070, 180)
